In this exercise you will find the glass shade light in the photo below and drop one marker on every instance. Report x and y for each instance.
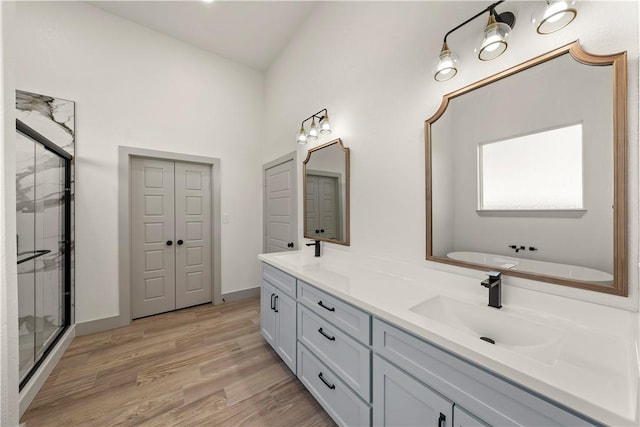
(554, 16)
(302, 137)
(494, 42)
(313, 130)
(325, 126)
(446, 65)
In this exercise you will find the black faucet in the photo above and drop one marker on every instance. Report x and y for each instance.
(315, 243)
(494, 283)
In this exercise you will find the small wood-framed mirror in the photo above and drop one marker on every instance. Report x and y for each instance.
(326, 193)
(526, 172)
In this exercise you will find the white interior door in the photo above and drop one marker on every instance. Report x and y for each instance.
(152, 235)
(170, 235)
(280, 230)
(193, 234)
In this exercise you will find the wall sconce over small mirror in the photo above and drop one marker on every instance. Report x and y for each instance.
(326, 193)
(319, 124)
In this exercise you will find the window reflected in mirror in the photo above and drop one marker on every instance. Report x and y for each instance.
(538, 171)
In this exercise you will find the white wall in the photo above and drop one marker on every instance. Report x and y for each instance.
(136, 87)
(370, 65)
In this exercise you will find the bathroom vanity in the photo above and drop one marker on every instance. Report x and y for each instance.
(378, 342)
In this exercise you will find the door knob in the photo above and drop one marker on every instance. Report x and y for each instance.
(169, 243)
(179, 242)
(290, 244)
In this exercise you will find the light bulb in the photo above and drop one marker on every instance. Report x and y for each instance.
(554, 16)
(313, 130)
(302, 137)
(445, 66)
(494, 42)
(325, 126)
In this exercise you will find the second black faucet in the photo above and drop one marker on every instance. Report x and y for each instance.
(315, 243)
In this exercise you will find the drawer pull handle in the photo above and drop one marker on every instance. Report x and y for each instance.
(273, 305)
(325, 307)
(327, 383)
(441, 420)
(324, 334)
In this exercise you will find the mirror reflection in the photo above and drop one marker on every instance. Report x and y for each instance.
(326, 190)
(525, 172)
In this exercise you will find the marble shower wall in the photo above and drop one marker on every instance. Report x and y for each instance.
(40, 221)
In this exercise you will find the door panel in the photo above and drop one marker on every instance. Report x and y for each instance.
(323, 207)
(152, 226)
(328, 193)
(193, 228)
(279, 199)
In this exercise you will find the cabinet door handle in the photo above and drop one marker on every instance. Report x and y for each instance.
(180, 242)
(324, 334)
(441, 420)
(325, 307)
(169, 242)
(327, 383)
(275, 304)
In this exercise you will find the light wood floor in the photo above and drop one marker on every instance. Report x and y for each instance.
(206, 365)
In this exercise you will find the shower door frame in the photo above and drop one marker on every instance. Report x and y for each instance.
(38, 138)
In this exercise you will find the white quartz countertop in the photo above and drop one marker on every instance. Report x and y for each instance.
(592, 367)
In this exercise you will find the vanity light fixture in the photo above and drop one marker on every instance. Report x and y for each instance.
(494, 42)
(323, 123)
(555, 15)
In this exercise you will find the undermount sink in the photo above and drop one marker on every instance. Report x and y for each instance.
(527, 337)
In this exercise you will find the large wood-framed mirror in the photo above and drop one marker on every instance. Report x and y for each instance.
(526, 172)
(326, 193)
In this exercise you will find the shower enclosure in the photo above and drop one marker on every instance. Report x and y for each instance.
(43, 222)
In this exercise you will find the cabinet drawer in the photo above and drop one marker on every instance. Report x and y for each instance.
(336, 398)
(346, 317)
(480, 392)
(343, 354)
(279, 279)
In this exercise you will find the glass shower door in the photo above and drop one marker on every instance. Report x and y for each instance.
(42, 237)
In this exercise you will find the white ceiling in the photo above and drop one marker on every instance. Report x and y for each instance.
(249, 32)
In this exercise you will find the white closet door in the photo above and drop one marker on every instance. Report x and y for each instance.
(152, 234)
(280, 226)
(193, 234)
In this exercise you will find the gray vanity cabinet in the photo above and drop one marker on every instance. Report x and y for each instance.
(278, 313)
(401, 400)
(481, 393)
(365, 371)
